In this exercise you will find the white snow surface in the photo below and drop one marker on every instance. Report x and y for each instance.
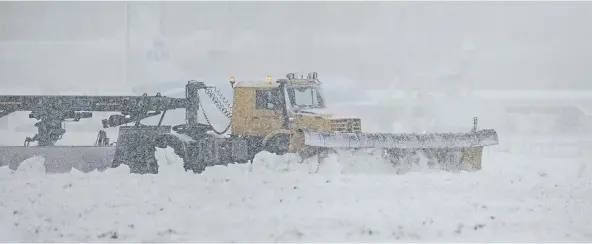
(277, 199)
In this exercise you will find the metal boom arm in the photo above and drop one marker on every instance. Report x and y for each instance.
(123, 104)
(52, 111)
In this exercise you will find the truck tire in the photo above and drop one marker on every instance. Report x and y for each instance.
(278, 144)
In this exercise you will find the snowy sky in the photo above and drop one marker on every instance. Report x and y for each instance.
(516, 45)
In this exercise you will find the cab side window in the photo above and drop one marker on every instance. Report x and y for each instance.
(266, 99)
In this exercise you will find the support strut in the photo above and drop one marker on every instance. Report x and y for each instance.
(49, 131)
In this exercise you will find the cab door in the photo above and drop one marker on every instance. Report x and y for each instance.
(267, 115)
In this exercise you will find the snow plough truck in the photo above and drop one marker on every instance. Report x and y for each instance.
(279, 116)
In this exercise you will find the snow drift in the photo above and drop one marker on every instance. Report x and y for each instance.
(276, 199)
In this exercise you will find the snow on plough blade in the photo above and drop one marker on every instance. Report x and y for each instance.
(479, 138)
(60, 159)
(448, 151)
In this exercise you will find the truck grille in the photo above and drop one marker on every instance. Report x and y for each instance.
(347, 125)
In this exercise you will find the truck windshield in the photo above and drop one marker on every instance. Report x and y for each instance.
(306, 97)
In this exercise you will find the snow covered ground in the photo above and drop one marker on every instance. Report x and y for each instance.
(350, 199)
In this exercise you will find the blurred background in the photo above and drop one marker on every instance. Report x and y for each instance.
(514, 45)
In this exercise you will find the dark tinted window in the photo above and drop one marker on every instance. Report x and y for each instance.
(266, 99)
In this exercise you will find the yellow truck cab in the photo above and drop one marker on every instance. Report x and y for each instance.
(273, 114)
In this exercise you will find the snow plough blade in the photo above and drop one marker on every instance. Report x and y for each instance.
(479, 138)
(448, 151)
(60, 159)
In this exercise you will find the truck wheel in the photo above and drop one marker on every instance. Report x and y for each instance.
(254, 145)
(278, 144)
